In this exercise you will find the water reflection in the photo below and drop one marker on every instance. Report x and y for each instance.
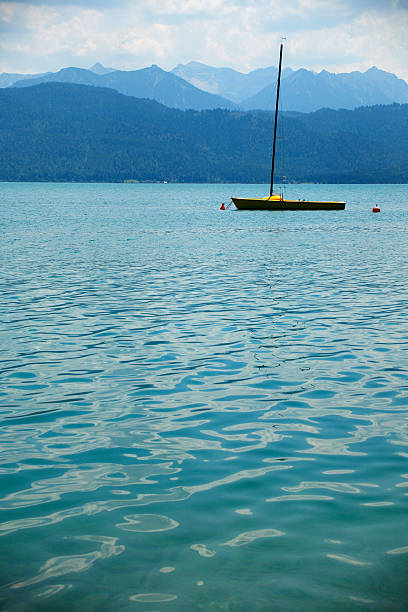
(59, 566)
(168, 381)
(250, 536)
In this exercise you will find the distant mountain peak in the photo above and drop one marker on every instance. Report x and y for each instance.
(156, 70)
(194, 63)
(98, 68)
(152, 82)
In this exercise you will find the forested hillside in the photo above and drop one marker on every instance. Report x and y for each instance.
(67, 132)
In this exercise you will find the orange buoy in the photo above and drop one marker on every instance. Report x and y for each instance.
(376, 209)
(222, 206)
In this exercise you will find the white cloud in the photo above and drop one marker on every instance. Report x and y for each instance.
(371, 39)
(339, 35)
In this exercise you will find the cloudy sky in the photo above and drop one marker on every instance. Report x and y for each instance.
(338, 35)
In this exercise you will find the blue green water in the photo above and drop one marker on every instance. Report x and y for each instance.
(202, 410)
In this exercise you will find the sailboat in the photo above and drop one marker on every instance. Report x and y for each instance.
(277, 201)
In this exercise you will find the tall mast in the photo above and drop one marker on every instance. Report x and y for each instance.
(276, 118)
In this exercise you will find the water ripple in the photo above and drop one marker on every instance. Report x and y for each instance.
(243, 377)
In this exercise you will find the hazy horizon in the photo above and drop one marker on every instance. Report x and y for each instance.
(113, 68)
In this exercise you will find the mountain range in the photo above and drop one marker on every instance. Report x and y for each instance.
(226, 82)
(302, 90)
(152, 83)
(198, 86)
(69, 132)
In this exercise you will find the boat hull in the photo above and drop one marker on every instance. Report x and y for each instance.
(275, 204)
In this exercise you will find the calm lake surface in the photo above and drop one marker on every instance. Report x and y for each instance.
(202, 410)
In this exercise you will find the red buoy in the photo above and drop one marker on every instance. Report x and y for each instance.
(376, 209)
(222, 206)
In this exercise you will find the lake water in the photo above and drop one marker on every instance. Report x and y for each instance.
(202, 410)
